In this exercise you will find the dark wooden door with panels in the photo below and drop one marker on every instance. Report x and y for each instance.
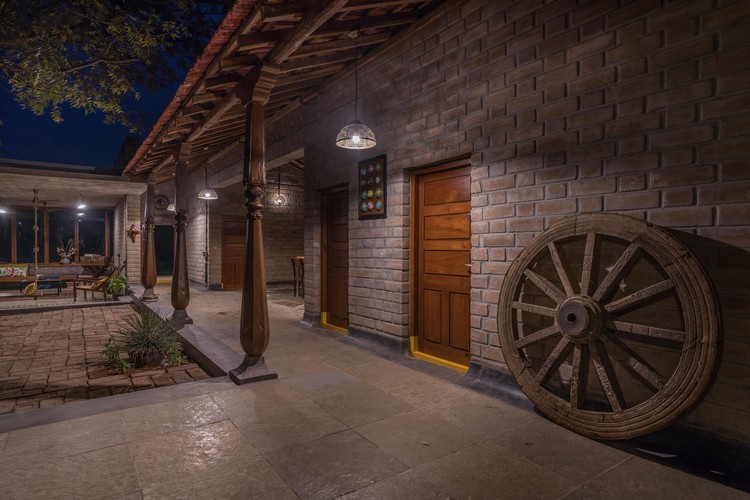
(335, 236)
(442, 254)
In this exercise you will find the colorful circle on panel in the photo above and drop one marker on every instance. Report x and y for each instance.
(363, 207)
(379, 205)
(379, 192)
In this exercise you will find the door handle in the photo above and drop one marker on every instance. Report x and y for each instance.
(467, 265)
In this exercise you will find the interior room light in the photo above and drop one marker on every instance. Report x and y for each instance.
(207, 193)
(355, 135)
(81, 203)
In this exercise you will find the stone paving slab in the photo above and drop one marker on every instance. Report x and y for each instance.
(52, 357)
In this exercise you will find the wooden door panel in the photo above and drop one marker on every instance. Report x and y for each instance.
(445, 190)
(458, 311)
(432, 300)
(336, 258)
(233, 251)
(446, 263)
(443, 248)
(447, 227)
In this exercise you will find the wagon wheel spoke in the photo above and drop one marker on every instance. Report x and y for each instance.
(589, 263)
(641, 297)
(545, 285)
(563, 269)
(533, 308)
(538, 336)
(554, 360)
(623, 266)
(638, 366)
(606, 373)
(648, 331)
(580, 376)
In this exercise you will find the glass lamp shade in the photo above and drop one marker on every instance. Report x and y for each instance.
(171, 207)
(279, 200)
(356, 135)
(208, 194)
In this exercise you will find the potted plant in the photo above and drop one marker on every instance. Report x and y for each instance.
(117, 285)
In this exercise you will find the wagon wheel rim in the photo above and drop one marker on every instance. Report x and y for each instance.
(584, 330)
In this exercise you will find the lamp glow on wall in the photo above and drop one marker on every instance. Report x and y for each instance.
(81, 202)
(3, 208)
(355, 135)
(207, 193)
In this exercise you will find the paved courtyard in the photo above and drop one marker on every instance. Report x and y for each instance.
(340, 422)
(52, 357)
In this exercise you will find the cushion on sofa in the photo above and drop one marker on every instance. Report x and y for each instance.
(13, 270)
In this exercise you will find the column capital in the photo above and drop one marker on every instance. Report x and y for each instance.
(257, 85)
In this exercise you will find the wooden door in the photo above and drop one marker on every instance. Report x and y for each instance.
(443, 257)
(232, 251)
(336, 258)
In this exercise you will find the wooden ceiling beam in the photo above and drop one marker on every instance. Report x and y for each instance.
(333, 28)
(372, 4)
(223, 80)
(316, 62)
(339, 45)
(283, 12)
(259, 40)
(315, 17)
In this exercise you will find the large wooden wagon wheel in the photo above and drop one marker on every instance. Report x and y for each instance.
(609, 325)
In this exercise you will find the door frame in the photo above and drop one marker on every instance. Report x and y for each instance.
(413, 255)
(324, 254)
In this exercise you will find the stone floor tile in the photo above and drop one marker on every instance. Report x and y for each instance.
(274, 427)
(362, 405)
(405, 486)
(195, 454)
(294, 366)
(67, 438)
(416, 437)
(170, 416)
(245, 400)
(333, 465)
(486, 471)
(639, 479)
(346, 356)
(3, 440)
(560, 450)
(320, 385)
(103, 473)
(480, 415)
(247, 477)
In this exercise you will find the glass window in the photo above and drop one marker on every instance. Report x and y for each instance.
(91, 232)
(25, 236)
(5, 238)
(61, 232)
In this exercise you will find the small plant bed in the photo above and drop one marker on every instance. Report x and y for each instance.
(146, 350)
(55, 357)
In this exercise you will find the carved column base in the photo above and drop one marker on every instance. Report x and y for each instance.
(180, 318)
(252, 370)
(149, 295)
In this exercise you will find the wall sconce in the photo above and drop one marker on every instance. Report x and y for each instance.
(133, 232)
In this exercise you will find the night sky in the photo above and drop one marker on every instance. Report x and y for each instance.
(80, 139)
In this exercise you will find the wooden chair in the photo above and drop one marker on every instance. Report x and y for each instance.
(96, 285)
(298, 267)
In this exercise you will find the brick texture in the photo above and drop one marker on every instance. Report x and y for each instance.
(615, 107)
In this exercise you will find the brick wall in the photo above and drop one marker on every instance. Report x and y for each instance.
(127, 212)
(565, 108)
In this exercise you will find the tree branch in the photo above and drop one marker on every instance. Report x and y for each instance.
(79, 67)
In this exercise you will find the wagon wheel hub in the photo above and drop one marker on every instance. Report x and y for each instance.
(580, 318)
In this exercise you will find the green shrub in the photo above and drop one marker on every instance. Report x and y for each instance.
(145, 340)
(117, 284)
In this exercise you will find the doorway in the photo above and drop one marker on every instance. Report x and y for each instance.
(442, 255)
(164, 249)
(232, 251)
(335, 237)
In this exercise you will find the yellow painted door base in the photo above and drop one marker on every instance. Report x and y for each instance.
(434, 359)
(325, 324)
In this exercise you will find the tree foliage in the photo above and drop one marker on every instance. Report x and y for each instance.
(90, 54)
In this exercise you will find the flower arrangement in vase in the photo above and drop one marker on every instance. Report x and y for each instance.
(66, 252)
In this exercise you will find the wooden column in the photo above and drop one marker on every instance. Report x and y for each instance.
(148, 259)
(180, 283)
(254, 326)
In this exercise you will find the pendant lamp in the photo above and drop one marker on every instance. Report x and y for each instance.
(280, 199)
(355, 135)
(207, 193)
